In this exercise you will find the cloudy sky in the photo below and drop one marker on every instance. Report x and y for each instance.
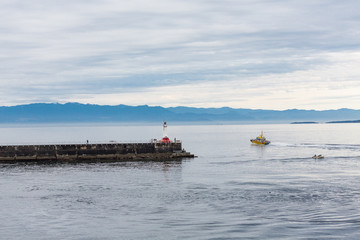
(260, 54)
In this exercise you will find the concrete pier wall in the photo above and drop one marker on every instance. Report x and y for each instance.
(87, 152)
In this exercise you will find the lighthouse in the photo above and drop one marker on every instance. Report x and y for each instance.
(165, 138)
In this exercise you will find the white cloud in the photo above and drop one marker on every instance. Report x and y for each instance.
(194, 53)
(329, 86)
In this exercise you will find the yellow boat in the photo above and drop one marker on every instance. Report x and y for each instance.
(260, 140)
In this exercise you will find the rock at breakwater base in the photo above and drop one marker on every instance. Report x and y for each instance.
(93, 152)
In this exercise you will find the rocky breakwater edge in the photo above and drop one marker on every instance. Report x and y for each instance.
(153, 151)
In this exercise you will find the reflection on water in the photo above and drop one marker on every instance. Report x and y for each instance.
(232, 190)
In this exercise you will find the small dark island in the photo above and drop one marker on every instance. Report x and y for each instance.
(304, 123)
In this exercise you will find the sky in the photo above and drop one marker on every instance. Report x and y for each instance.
(258, 54)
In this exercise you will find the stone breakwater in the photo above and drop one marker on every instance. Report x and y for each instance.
(92, 152)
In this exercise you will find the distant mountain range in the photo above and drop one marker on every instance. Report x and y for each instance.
(76, 112)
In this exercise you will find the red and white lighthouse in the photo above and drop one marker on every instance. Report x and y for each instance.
(165, 138)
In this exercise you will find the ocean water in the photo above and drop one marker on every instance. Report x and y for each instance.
(232, 190)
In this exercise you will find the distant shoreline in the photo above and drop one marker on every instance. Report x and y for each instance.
(304, 122)
(346, 121)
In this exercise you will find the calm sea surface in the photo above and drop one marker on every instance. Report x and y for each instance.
(233, 190)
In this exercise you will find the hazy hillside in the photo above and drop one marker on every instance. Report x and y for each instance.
(75, 112)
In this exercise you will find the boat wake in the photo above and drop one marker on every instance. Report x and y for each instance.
(355, 147)
(310, 159)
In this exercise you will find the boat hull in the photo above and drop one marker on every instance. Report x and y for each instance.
(259, 142)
